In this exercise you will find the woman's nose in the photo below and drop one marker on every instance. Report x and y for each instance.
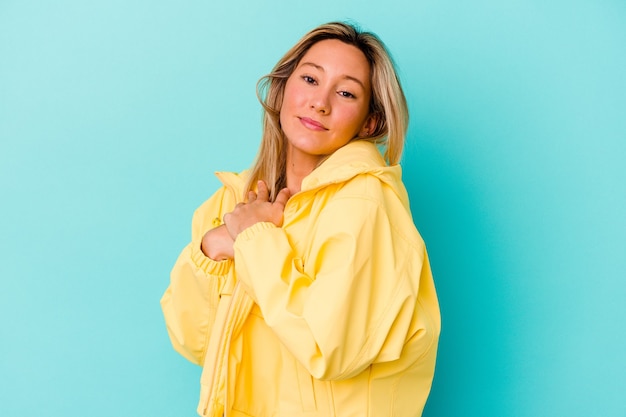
(320, 102)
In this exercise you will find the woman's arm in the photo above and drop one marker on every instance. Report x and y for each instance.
(351, 301)
(190, 302)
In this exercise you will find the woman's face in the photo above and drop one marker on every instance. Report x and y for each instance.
(326, 101)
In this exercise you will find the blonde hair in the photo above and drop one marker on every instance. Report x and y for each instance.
(387, 103)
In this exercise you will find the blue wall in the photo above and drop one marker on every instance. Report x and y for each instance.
(114, 114)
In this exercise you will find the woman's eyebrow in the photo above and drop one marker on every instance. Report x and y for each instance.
(347, 77)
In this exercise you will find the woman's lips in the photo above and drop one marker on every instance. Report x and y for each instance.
(312, 124)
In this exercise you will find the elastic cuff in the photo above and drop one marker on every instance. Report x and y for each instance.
(208, 265)
(250, 232)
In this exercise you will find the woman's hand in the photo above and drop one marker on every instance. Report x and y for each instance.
(217, 244)
(257, 209)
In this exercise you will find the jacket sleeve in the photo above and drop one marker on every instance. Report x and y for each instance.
(351, 302)
(190, 302)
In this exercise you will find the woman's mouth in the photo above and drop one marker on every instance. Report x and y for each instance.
(312, 124)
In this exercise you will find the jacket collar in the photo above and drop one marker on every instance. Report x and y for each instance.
(355, 158)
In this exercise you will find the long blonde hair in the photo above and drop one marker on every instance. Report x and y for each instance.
(387, 104)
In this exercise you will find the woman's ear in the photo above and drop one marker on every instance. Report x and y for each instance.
(368, 126)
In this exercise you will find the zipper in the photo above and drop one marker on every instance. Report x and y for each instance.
(215, 375)
(229, 336)
(239, 306)
(243, 306)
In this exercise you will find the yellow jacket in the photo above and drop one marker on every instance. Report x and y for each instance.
(332, 314)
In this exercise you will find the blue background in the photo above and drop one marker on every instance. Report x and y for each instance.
(114, 114)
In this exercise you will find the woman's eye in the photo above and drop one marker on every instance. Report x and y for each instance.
(308, 79)
(346, 94)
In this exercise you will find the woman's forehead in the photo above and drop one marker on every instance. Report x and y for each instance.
(335, 57)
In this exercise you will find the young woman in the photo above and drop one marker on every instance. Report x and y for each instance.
(306, 289)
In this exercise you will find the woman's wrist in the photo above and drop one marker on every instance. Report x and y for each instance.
(217, 244)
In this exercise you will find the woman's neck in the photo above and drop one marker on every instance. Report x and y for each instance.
(298, 166)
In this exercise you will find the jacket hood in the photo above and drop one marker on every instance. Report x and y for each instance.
(355, 158)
